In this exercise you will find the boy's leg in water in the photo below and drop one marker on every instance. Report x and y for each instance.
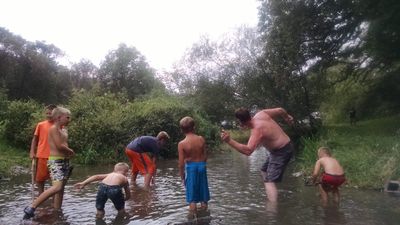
(193, 207)
(40, 186)
(336, 195)
(133, 178)
(192, 211)
(29, 211)
(147, 179)
(100, 214)
(57, 187)
(204, 206)
(58, 198)
(324, 194)
(271, 191)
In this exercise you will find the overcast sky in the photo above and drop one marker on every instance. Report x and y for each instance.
(160, 29)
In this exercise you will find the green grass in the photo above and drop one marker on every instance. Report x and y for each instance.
(11, 156)
(369, 151)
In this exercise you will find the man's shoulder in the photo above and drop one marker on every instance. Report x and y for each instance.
(261, 115)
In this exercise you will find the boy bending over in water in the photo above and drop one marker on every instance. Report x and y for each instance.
(192, 159)
(332, 177)
(58, 162)
(110, 188)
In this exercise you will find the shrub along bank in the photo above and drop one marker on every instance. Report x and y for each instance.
(103, 124)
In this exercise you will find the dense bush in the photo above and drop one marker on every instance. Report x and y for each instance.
(97, 127)
(20, 120)
(3, 109)
(103, 124)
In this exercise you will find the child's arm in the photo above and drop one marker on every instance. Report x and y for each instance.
(33, 150)
(127, 191)
(317, 168)
(91, 179)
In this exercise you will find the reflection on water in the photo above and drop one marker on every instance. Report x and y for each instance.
(237, 197)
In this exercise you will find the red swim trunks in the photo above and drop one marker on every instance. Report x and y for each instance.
(333, 180)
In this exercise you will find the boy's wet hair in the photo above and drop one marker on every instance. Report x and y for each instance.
(162, 135)
(243, 115)
(325, 150)
(186, 124)
(121, 166)
(58, 111)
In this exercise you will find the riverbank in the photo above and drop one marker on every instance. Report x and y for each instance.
(12, 160)
(368, 151)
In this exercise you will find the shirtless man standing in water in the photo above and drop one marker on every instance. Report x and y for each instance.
(266, 132)
(58, 162)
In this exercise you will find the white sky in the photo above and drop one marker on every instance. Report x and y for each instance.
(160, 29)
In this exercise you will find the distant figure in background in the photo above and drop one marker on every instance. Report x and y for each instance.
(332, 176)
(40, 149)
(265, 131)
(110, 187)
(352, 116)
(192, 166)
(143, 152)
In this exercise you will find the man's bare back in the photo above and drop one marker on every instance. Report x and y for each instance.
(271, 134)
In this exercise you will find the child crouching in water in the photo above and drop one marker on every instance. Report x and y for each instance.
(110, 188)
(192, 166)
(332, 176)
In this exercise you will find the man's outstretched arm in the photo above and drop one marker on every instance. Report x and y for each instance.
(279, 112)
(242, 148)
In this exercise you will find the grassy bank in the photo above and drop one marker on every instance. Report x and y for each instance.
(368, 151)
(11, 156)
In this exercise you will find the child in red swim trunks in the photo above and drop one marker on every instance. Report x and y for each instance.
(332, 176)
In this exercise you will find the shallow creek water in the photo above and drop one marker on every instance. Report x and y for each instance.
(237, 197)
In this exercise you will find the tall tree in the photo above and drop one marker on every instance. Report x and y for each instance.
(211, 72)
(126, 69)
(83, 74)
(28, 70)
(302, 37)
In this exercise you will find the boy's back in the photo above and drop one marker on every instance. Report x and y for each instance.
(115, 179)
(331, 166)
(192, 165)
(193, 148)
